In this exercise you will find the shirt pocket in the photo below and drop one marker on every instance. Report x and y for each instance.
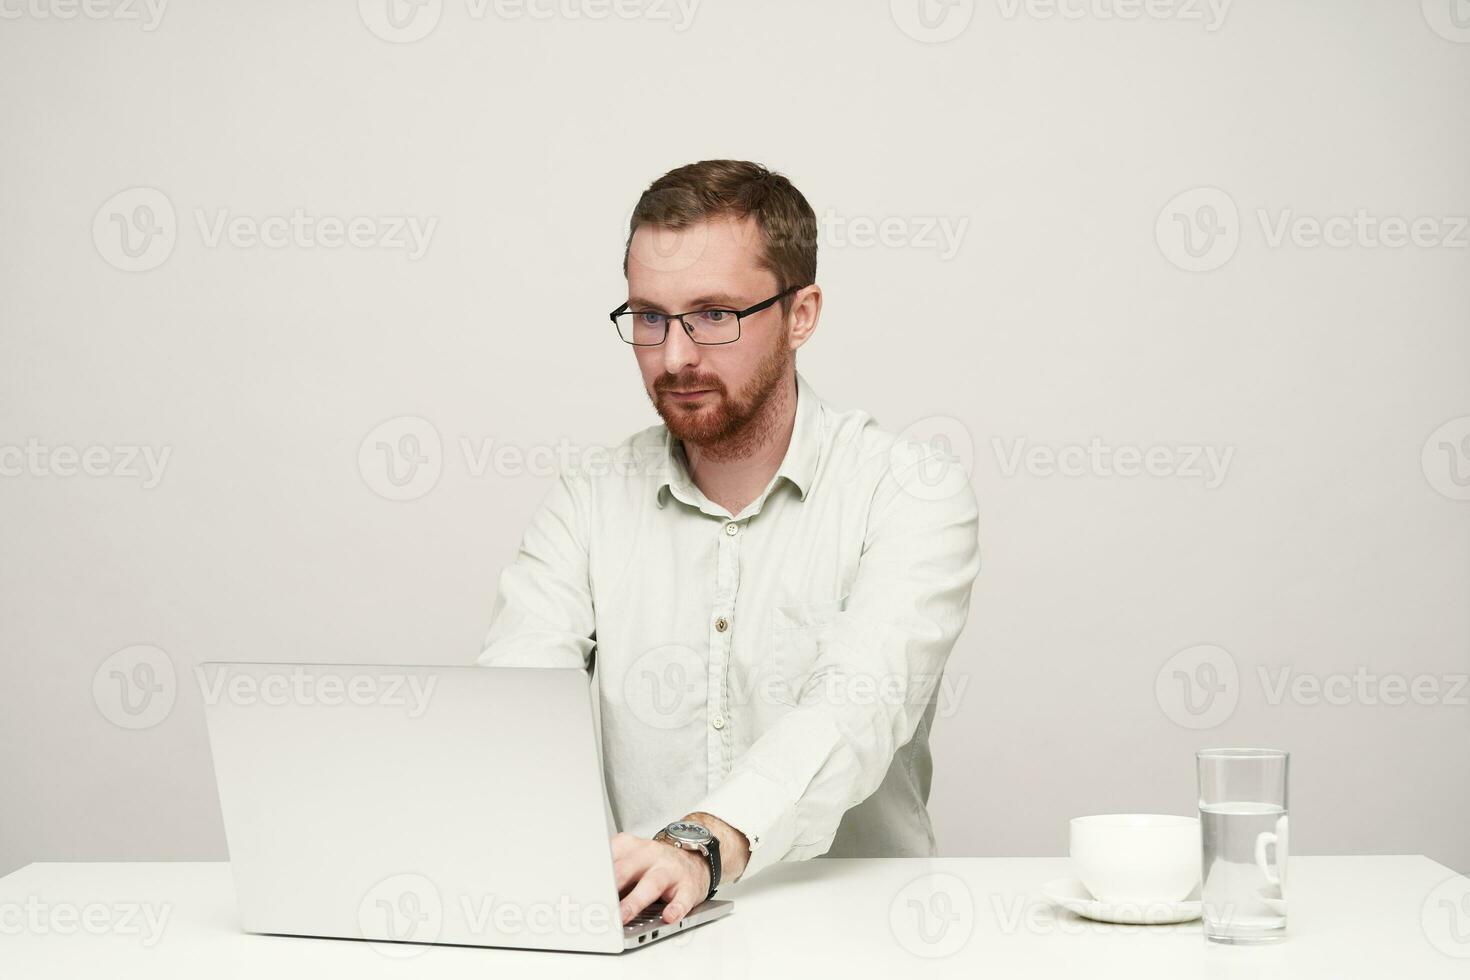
(799, 634)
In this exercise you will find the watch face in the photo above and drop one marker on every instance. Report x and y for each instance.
(688, 830)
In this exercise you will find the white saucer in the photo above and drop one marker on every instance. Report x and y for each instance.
(1070, 894)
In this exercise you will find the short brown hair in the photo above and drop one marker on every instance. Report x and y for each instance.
(737, 188)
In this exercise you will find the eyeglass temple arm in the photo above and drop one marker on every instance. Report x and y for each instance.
(765, 304)
(749, 310)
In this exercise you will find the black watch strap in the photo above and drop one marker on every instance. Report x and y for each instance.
(714, 866)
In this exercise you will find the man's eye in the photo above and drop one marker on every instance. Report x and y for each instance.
(714, 316)
(650, 319)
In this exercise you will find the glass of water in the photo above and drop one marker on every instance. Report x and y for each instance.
(1242, 812)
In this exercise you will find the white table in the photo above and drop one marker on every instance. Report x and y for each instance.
(1378, 917)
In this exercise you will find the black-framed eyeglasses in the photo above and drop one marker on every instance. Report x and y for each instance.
(647, 328)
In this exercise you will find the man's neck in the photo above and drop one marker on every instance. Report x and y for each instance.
(734, 472)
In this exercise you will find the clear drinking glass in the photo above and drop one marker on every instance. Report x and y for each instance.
(1242, 812)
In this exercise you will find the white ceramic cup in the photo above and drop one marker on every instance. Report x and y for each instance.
(1137, 858)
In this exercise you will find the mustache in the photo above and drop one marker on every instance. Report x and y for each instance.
(669, 382)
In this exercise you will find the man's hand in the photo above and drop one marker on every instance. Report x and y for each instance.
(649, 870)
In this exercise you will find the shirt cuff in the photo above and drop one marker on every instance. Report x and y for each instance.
(759, 809)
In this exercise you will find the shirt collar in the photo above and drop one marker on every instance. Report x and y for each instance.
(799, 466)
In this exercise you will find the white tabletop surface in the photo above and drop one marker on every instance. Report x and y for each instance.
(1381, 917)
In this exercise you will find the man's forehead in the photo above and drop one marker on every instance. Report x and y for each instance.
(716, 251)
(723, 230)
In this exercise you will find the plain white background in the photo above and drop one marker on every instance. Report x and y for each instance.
(1049, 234)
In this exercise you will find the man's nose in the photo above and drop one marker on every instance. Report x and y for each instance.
(679, 350)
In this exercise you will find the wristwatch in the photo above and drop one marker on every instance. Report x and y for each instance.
(687, 835)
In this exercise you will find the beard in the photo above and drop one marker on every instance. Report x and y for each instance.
(725, 425)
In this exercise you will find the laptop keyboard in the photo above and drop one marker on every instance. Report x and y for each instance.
(649, 920)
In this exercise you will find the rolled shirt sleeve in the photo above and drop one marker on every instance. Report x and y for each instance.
(878, 667)
(543, 614)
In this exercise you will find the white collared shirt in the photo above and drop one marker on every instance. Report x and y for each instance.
(776, 668)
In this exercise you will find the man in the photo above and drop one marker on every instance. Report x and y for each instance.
(771, 587)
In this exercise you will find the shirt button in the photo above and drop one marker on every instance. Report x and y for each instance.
(718, 721)
(731, 528)
(722, 624)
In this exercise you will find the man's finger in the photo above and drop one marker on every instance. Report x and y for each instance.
(651, 886)
(635, 860)
(686, 896)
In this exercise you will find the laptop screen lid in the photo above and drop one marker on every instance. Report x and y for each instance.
(456, 805)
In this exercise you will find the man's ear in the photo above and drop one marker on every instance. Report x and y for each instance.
(806, 310)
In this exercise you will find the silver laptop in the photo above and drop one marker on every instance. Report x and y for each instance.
(460, 805)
